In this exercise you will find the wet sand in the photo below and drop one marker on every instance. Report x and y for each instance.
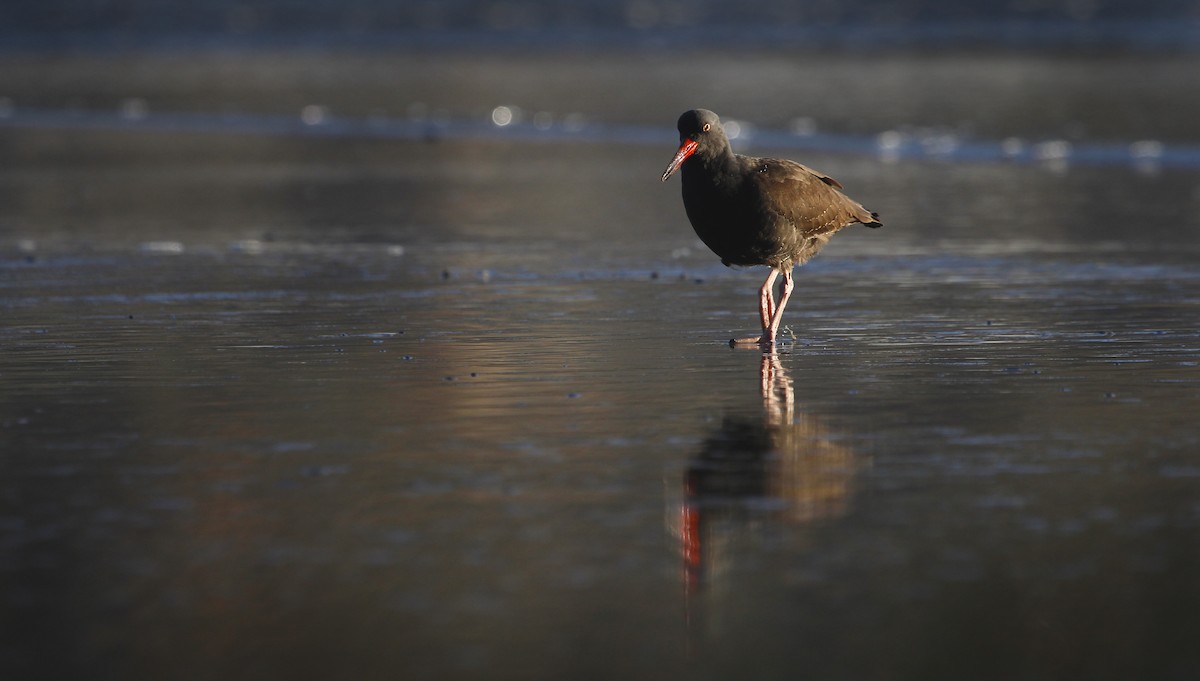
(279, 405)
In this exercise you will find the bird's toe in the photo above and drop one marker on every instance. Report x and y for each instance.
(751, 341)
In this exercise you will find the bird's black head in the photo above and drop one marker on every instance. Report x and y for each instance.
(698, 123)
(700, 132)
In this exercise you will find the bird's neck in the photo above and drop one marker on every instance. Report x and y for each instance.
(719, 166)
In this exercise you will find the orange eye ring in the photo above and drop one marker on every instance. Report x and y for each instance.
(706, 127)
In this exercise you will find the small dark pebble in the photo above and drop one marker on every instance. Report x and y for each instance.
(1012, 370)
(574, 395)
(988, 322)
(449, 378)
(473, 374)
(697, 280)
(407, 357)
(654, 275)
(131, 316)
(445, 274)
(1110, 395)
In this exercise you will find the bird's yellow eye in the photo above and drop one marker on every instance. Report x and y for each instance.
(706, 127)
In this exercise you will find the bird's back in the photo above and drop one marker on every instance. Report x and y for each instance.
(777, 212)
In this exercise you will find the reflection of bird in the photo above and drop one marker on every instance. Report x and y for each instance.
(784, 466)
(758, 211)
(812, 471)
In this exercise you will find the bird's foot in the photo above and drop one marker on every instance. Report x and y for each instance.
(757, 341)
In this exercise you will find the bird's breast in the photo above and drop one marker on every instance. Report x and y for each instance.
(730, 218)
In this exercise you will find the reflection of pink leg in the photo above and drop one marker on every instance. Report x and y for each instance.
(777, 315)
(766, 312)
(778, 395)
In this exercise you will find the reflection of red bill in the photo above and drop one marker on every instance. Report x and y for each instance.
(689, 534)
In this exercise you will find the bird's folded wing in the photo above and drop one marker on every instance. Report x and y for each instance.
(809, 199)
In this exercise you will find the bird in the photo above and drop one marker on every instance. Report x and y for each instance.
(758, 211)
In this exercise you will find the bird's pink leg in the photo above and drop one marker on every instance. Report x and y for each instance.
(766, 312)
(777, 315)
(766, 299)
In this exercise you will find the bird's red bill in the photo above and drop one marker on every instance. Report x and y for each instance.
(686, 149)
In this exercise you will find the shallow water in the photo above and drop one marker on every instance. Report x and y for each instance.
(286, 405)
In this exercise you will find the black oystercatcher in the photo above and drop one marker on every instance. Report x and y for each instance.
(758, 211)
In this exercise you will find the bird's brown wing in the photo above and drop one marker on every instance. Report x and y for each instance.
(808, 199)
(819, 175)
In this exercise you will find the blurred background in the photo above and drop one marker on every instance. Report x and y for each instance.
(927, 23)
(279, 86)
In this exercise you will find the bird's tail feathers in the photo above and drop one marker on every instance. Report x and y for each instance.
(869, 218)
